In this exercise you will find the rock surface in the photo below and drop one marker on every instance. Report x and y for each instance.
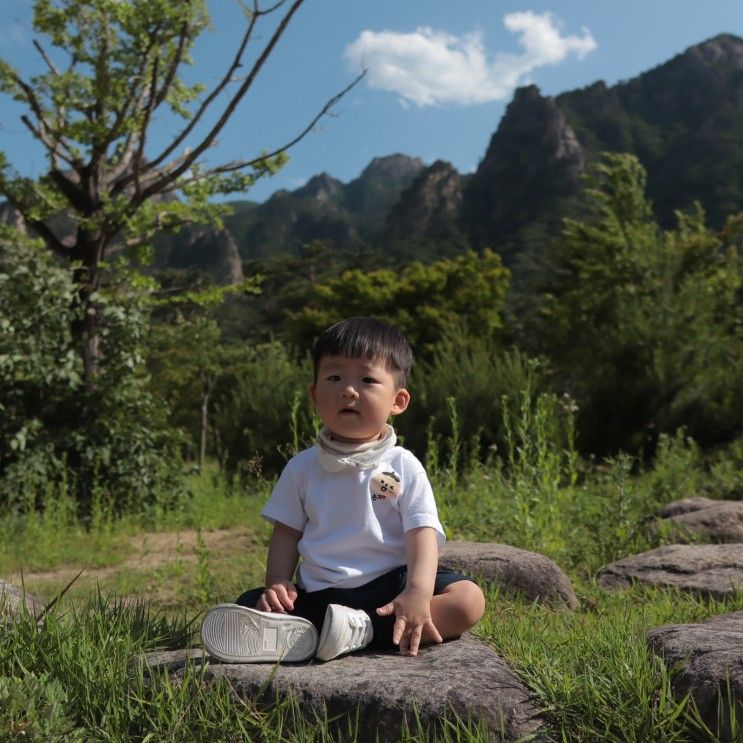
(709, 569)
(13, 598)
(703, 518)
(517, 571)
(686, 505)
(709, 662)
(464, 676)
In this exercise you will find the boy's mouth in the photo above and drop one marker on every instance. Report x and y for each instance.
(349, 411)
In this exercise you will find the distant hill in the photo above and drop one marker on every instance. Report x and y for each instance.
(346, 215)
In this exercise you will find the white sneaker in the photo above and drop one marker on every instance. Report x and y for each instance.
(236, 634)
(343, 631)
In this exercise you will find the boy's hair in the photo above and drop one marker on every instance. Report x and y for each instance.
(366, 338)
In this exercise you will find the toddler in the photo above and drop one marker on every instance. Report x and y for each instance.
(360, 512)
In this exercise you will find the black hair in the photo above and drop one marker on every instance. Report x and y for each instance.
(366, 338)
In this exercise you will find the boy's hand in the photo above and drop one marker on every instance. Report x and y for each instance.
(413, 611)
(278, 597)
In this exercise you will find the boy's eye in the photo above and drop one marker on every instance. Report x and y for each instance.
(368, 380)
(334, 378)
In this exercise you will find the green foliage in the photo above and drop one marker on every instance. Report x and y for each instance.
(478, 374)
(592, 671)
(56, 436)
(424, 300)
(261, 410)
(642, 325)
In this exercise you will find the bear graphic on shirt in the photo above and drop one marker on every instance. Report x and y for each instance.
(385, 486)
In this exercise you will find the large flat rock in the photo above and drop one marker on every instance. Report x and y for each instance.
(517, 571)
(708, 659)
(695, 519)
(12, 601)
(463, 676)
(708, 569)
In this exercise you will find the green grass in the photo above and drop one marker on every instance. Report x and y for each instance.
(591, 669)
(149, 577)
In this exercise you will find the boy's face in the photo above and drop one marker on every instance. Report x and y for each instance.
(354, 397)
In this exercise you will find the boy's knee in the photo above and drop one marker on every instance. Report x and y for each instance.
(470, 601)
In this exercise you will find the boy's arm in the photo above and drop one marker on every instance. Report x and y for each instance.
(413, 606)
(283, 555)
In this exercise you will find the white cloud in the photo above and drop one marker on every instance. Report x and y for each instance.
(429, 67)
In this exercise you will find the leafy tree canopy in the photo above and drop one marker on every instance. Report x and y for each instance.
(424, 300)
(644, 325)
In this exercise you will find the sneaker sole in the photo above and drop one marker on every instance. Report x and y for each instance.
(237, 634)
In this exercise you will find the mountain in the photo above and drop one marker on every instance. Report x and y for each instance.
(425, 220)
(682, 119)
(324, 208)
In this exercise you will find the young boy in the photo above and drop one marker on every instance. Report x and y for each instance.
(360, 512)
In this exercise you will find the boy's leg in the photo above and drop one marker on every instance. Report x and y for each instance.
(457, 608)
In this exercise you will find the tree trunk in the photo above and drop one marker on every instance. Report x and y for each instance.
(208, 386)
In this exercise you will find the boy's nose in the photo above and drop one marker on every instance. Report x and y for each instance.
(350, 392)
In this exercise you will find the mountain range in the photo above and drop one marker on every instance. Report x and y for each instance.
(682, 119)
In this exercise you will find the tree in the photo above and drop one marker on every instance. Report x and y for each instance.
(187, 359)
(111, 66)
(425, 300)
(124, 457)
(643, 325)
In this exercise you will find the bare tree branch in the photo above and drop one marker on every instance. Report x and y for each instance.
(174, 65)
(207, 141)
(49, 63)
(128, 106)
(226, 79)
(35, 106)
(240, 165)
(139, 156)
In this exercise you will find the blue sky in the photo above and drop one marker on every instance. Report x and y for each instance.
(440, 74)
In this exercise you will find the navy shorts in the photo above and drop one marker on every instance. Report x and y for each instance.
(369, 597)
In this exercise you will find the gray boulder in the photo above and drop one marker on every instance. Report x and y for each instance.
(517, 571)
(708, 569)
(462, 677)
(708, 660)
(13, 598)
(686, 505)
(706, 520)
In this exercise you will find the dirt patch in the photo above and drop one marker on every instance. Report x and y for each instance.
(154, 550)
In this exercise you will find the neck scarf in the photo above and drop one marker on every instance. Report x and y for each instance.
(335, 455)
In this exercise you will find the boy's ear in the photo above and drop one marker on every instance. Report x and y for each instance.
(311, 389)
(402, 400)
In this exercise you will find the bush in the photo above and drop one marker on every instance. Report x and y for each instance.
(478, 376)
(262, 413)
(109, 442)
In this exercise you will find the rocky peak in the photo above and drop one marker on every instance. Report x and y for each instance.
(535, 120)
(371, 196)
(429, 208)
(321, 187)
(392, 168)
(721, 48)
(212, 251)
(11, 216)
(533, 157)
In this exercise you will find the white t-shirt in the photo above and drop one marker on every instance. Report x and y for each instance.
(353, 522)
